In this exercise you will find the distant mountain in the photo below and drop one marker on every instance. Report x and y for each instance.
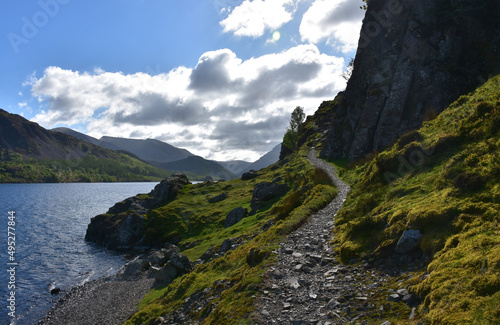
(235, 166)
(268, 159)
(30, 153)
(78, 135)
(199, 165)
(150, 150)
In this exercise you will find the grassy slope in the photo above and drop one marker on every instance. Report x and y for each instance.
(118, 167)
(444, 180)
(197, 221)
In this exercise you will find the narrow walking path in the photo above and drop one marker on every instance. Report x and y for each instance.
(307, 285)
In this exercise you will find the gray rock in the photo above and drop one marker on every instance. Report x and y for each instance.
(218, 198)
(412, 300)
(122, 228)
(409, 240)
(249, 175)
(266, 191)
(166, 274)
(235, 216)
(394, 297)
(408, 62)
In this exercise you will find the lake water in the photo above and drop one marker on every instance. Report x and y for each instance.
(50, 250)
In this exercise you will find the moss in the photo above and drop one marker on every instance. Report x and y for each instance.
(443, 180)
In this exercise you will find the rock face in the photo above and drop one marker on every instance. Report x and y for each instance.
(122, 227)
(414, 58)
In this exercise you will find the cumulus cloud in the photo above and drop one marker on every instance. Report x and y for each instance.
(338, 22)
(253, 18)
(223, 108)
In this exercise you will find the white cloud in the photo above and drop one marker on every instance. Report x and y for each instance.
(223, 108)
(338, 22)
(253, 18)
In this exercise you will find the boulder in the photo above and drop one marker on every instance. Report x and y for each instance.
(176, 266)
(166, 274)
(409, 241)
(235, 216)
(218, 198)
(266, 191)
(249, 175)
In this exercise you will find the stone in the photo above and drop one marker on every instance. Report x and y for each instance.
(265, 191)
(249, 175)
(412, 300)
(409, 241)
(394, 297)
(180, 262)
(218, 198)
(55, 291)
(166, 274)
(402, 292)
(234, 216)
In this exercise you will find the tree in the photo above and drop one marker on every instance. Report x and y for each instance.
(348, 72)
(291, 135)
(365, 5)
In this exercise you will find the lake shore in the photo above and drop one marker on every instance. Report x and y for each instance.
(110, 300)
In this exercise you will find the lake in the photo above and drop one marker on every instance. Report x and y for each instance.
(50, 250)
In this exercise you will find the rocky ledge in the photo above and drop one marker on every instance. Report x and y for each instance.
(122, 227)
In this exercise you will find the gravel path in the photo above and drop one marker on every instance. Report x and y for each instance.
(307, 285)
(105, 301)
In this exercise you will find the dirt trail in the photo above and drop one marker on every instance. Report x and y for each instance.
(307, 285)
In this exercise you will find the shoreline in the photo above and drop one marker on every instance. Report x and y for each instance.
(109, 300)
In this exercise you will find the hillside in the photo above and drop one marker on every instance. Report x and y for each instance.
(440, 183)
(199, 166)
(32, 154)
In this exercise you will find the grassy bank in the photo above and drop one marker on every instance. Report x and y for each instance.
(443, 180)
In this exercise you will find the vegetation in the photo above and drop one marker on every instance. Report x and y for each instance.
(290, 140)
(119, 168)
(199, 225)
(444, 181)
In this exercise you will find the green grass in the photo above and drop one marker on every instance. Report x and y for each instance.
(444, 180)
(194, 220)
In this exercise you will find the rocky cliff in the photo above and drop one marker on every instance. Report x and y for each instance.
(122, 227)
(414, 58)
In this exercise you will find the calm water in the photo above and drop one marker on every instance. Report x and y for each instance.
(51, 220)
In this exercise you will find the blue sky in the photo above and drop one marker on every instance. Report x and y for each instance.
(217, 77)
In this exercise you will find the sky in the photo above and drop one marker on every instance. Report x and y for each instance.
(217, 77)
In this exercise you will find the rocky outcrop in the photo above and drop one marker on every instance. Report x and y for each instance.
(122, 227)
(414, 58)
(234, 216)
(265, 191)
